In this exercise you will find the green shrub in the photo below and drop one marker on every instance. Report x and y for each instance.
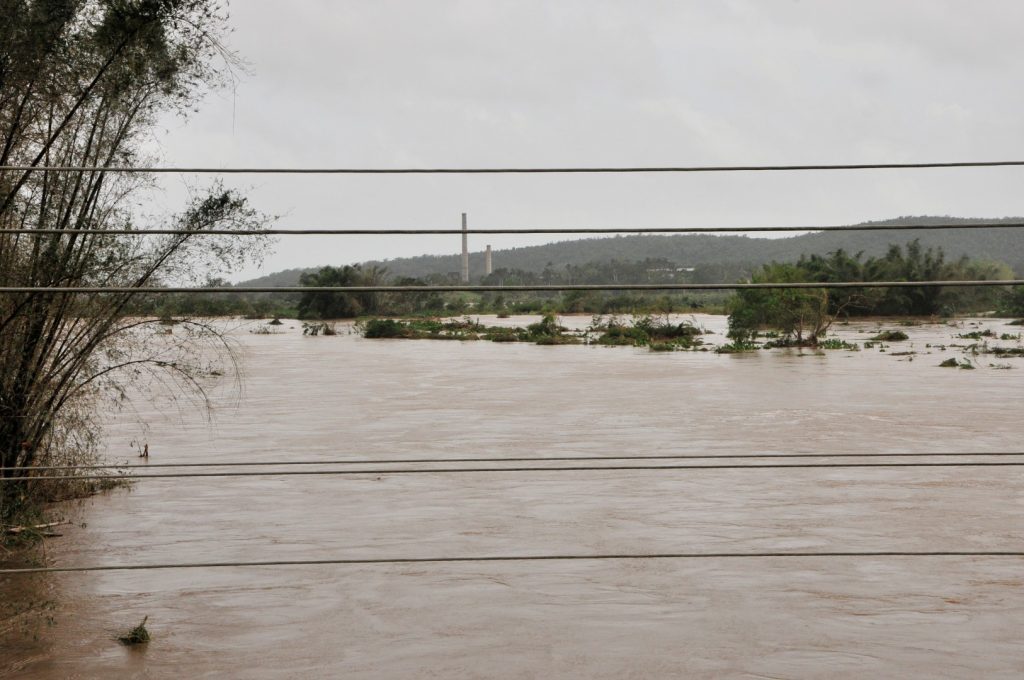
(546, 327)
(385, 328)
(617, 334)
(558, 340)
(836, 343)
(504, 335)
(736, 346)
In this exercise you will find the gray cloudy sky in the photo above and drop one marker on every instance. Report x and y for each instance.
(600, 82)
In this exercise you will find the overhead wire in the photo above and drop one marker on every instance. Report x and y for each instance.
(91, 290)
(371, 231)
(515, 459)
(524, 558)
(509, 170)
(442, 471)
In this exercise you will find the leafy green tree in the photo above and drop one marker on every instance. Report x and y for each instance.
(834, 267)
(956, 300)
(1013, 302)
(801, 314)
(804, 315)
(912, 263)
(909, 263)
(338, 305)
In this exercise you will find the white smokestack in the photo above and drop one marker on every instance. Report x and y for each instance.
(465, 251)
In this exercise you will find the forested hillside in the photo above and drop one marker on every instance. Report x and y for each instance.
(717, 257)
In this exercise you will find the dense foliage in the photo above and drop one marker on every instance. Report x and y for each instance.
(1013, 303)
(332, 305)
(82, 83)
(804, 315)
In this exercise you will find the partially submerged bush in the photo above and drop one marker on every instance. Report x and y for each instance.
(504, 335)
(313, 329)
(642, 332)
(615, 334)
(558, 340)
(891, 336)
(836, 343)
(737, 346)
(978, 335)
(545, 332)
(138, 635)
(646, 331)
(384, 328)
(546, 327)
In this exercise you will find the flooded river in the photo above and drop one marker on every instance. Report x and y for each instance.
(329, 398)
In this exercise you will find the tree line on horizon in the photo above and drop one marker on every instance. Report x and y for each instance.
(700, 250)
(910, 262)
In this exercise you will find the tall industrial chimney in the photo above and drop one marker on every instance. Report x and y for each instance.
(488, 264)
(465, 250)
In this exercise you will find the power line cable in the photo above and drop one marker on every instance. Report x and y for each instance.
(512, 170)
(531, 459)
(370, 231)
(90, 290)
(522, 558)
(441, 471)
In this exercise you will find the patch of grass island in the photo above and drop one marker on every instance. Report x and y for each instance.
(645, 331)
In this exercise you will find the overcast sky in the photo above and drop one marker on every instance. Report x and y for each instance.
(456, 83)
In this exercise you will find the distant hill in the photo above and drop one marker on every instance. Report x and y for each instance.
(697, 250)
(285, 277)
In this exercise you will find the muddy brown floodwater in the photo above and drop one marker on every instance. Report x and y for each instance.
(335, 397)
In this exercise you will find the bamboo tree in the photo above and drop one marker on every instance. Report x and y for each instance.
(81, 84)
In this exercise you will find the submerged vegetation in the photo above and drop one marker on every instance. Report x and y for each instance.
(139, 635)
(659, 334)
(318, 328)
(666, 334)
(891, 336)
